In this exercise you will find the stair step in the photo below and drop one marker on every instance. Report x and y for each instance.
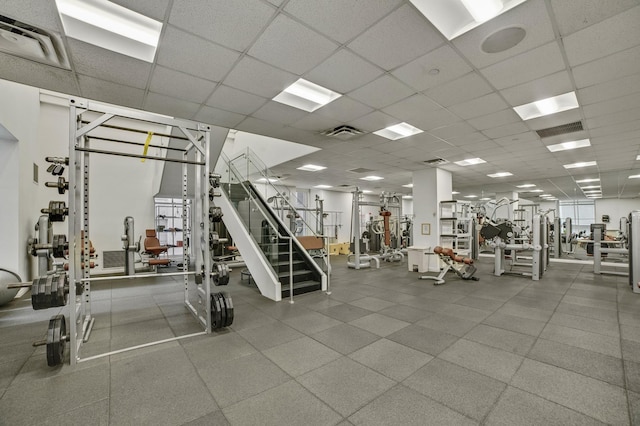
(301, 288)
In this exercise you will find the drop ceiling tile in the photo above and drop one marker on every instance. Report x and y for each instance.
(193, 55)
(167, 105)
(107, 65)
(218, 117)
(291, 46)
(574, 15)
(609, 90)
(316, 123)
(343, 72)
(466, 88)
(467, 139)
(260, 127)
(621, 103)
(381, 92)
(180, 85)
(35, 74)
(234, 100)
(397, 39)
(39, 13)
(232, 24)
(531, 65)
(106, 91)
(495, 119)
(411, 108)
(432, 119)
(340, 20)
(541, 88)
(612, 67)
(279, 113)
(479, 106)
(604, 38)
(506, 130)
(374, 121)
(155, 9)
(259, 78)
(451, 131)
(345, 109)
(615, 118)
(419, 75)
(531, 16)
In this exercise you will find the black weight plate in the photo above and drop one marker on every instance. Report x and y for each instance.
(35, 287)
(216, 313)
(46, 295)
(56, 340)
(223, 310)
(229, 304)
(60, 294)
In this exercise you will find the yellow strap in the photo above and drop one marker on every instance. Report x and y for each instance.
(146, 145)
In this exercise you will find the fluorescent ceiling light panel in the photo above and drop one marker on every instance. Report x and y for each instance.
(590, 187)
(323, 186)
(398, 131)
(634, 177)
(367, 191)
(547, 106)
(471, 196)
(593, 192)
(264, 180)
(536, 190)
(455, 17)
(545, 195)
(485, 199)
(407, 197)
(637, 157)
(409, 185)
(306, 95)
(565, 146)
(311, 168)
(588, 180)
(372, 178)
(581, 164)
(469, 162)
(526, 185)
(110, 26)
(454, 193)
(500, 174)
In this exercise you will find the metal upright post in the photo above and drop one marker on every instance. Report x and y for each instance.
(597, 255)
(356, 227)
(538, 243)
(634, 250)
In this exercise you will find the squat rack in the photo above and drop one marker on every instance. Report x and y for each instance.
(197, 137)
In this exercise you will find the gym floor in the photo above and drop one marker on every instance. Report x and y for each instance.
(384, 348)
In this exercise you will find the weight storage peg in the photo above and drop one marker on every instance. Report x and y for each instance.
(57, 211)
(62, 185)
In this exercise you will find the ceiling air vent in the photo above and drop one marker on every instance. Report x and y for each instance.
(361, 170)
(436, 161)
(343, 132)
(560, 130)
(29, 42)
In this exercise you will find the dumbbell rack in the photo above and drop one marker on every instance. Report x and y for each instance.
(197, 137)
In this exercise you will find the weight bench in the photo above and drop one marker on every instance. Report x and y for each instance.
(462, 266)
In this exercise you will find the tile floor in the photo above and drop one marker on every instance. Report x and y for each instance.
(384, 348)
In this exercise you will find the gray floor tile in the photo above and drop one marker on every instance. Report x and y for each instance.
(345, 312)
(595, 293)
(134, 334)
(592, 397)
(383, 356)
(234, 380)
(517, 324)
(32, 402)
(402, 406)
(517, 407)
(537, 303)
(600, 343)
(345, 385)
(215, 418)
(301, 355)
(345, 295)
(246, 317)
(423, 339)
(586, 324)
(465, 391)
(96, 413)
(630, 332)
(591, 303)
(463, 312)
(140, 394)
(632, 371)
(372, 303)
(345, 338)
(483, 359)
(509, 341)
(379, 324)
(9, 370)
(311, 322)
(270, 335)
(480, 303)
(406, 313)
(288, 403)
(592, 364)
(587, 311)
(215, 348)
(630, 350)
(525, 312)
(448, 324)
(441, 294)
(634, 407)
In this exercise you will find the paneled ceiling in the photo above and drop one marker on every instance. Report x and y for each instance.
(221, 62)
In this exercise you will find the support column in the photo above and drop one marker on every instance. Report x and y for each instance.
(430, 186)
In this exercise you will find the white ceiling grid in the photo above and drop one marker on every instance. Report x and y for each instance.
(222, 62)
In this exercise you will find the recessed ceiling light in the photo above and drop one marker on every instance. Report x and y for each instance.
(634, 176)
(398, 131)
(547, 106)
(409, 185)
(372, 178)
(545, 195)
(588, 180)
(367, 191)
(581, 164)
(637, 157)
(593, 192)
(110, 26)
(500, 174)
(454, 18)
(471, 196)
(306, 95)
(536, 190)
(264, 180)
(323, 186)
(407, 197)
(454, 193)
(526, 185)
(485, 199)
(311, 168)
(469, 162)
(564, 146)
(590, 187)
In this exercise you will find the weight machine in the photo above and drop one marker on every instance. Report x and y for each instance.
(601, 248)
(462, 266)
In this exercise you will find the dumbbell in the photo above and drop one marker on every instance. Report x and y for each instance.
(57, 211)
(62, 185)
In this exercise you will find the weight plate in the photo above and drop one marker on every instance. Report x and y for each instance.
(35, 286)
(223, 311)
(216, 313)
(56, 340)
(46, 295)
(229, 304)
(60, 293)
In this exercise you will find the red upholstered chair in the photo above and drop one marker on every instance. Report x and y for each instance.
(153, 248)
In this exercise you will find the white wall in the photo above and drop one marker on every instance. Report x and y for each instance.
(616, 209)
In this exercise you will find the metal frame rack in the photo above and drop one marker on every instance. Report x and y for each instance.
(197, 137)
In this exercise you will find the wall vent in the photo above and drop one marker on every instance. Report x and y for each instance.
(29, 42)
(436, 161)
(343, 132)
(361, 170)
(560, 130)
(113, 259)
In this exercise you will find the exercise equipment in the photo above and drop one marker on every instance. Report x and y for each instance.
(130, 246)
(462, 266)
(153, 248)
(57, 165)
(601, 249)
(221, 311)
(57, 211)
(47, 291)
(62, 185)
(56, 341)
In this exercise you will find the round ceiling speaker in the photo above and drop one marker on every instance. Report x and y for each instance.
(503, 40)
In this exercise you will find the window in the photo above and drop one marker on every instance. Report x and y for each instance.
(582, 214)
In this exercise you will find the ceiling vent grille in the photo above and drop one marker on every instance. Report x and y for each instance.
(560, 130)
(360, 170)
(436, 161)
(343, 132)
